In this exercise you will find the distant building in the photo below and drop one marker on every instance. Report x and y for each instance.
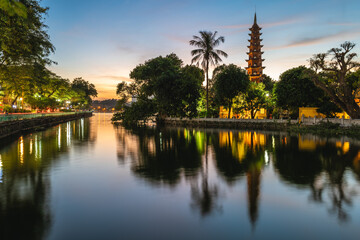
(255, 67)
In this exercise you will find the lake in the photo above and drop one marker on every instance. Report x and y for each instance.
(88, 179)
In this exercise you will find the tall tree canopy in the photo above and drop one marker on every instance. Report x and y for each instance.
(335, 65)
(295, 89)
(162, 87)
(83, 92)
(13, 7)
(230, 81)
(268, 82)
(24, 40)
(206, 55)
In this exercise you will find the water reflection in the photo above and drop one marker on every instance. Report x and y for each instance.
(329, 169)
(24, 177)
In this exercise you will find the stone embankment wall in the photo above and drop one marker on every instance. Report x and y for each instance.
(261, 124)
(341, 121)
(16, 127)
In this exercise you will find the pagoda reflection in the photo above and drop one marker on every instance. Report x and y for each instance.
(240, 154)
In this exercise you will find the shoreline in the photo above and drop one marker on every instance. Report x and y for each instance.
(15, 127)
(321, 128)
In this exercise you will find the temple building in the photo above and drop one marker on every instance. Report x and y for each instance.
(255, 68)
(254, 71)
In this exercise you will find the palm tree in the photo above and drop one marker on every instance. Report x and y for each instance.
(206, 54)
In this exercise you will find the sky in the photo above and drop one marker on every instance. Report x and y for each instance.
(103, 40)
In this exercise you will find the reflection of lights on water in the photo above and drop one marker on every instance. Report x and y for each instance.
(160, 139)
(82, 128)
(38, 146)
(59, 137)
(31, 146)
(266, 157)
(68, 133)
(273, 141)
(21, 150)
(1, 170)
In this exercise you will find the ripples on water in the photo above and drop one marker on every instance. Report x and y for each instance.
(87, 179)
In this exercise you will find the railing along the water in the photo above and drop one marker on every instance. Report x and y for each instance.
(13, 117)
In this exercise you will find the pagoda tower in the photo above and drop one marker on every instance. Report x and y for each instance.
(255, 68)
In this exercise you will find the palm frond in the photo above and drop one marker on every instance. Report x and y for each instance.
(197, 51)
(221, 53)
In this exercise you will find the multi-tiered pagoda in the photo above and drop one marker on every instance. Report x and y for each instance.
(255, 68)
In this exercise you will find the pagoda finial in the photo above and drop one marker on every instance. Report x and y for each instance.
(255, 18)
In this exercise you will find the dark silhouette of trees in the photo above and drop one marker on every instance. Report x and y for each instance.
(333, 78)
(229, 81)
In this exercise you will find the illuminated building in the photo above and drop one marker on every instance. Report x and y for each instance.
(255, 68)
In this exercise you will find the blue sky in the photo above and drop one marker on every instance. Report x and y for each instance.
(102, 41)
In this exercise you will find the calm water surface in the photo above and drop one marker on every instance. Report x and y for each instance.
(87, 179)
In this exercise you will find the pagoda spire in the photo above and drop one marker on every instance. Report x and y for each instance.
(255, 68)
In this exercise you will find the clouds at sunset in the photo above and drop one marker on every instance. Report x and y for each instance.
(103, 42)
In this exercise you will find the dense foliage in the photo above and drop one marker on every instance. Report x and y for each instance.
(296, 89)
(25, 47)
(229, 82)
(162, 87)
(254, 99)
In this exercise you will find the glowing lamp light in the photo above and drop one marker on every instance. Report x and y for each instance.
(21, 99)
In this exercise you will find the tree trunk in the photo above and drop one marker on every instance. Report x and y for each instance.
(347, 103)
(352, 109)
(207, 89)
(13, 102)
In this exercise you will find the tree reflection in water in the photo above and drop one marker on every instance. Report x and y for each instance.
(164, 157)
(25, 182)
(321, 165)
(205, 197)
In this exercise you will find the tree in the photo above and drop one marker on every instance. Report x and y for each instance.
(335, 84)
(190, 90)
(206, 54)
(163, 87)
(174, 88)
(23, 40)
(24, 47)
(230, 81)
(13, 7)
(49, 91)
(268, 82)
(253, 99)
(295, 89)
(83, 92)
